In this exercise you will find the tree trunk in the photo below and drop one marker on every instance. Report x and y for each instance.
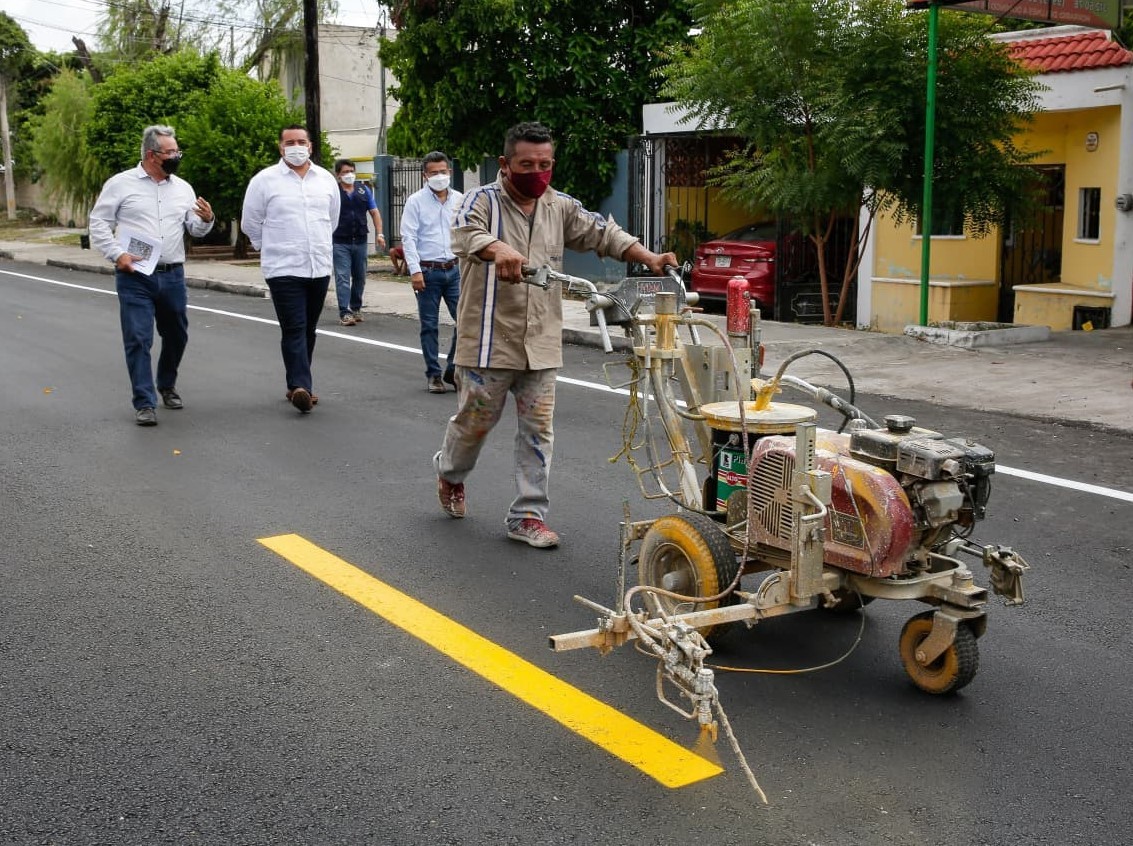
(9, 179)
(84, 56)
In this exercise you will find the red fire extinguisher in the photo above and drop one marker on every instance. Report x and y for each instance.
(739, 306)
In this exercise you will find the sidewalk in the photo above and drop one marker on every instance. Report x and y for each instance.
(1077, 377)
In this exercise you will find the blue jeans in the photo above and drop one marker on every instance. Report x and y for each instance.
(439, 285)
(298, 303)
(349, 276)
(142, 301)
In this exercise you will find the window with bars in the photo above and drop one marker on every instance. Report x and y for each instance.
(1089, 213)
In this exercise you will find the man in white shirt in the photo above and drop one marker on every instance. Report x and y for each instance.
(290, 211)
(426, 238)
(148, 209)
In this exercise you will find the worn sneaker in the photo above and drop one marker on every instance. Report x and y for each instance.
(301, 399)
(358, 317)
(348, 319)
(435, 385)
(145, 417)
(451, 497)
(171, 399)
(532, 532)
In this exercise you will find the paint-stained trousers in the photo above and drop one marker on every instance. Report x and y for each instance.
(480, 403)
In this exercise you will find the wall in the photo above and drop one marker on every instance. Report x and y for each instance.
(350, 88)
(1063, 134)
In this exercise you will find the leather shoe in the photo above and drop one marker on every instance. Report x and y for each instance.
(449, 376)
(301, 399)
(145, 417)
(171, 399)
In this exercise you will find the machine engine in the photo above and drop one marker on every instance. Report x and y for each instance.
(896, 492)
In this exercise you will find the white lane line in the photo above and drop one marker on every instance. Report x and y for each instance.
(1064, 483)
(1054, 481)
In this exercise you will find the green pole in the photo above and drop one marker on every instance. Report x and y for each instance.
(929, 153)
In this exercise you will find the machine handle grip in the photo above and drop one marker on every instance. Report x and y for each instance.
(607, 346)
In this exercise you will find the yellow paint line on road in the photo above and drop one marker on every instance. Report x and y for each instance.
(669, 763)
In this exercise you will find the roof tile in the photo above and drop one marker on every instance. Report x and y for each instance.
(1080, 51)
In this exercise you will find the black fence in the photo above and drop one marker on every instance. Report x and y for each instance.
(395, 180)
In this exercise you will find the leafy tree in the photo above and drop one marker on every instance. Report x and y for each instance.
(227, 123)
(15, 55)
(136, 29)
(829, 96)
(70, 174)
(138, 95)
(230, 132)
(278, 36)
(468, 69)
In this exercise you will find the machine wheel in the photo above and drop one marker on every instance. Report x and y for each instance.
(952, 670)
(846, 600)
(687, 554)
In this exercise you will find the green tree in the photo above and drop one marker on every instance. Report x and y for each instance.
(829, 96)
(71, 175)
(227, 123)
(468, 70)
(230, 132)
(15, 55)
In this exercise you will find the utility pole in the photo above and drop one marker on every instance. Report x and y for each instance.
(311, 77)
(382, 92)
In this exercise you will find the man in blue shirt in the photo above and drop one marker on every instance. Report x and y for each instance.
(351, 237)
(426, 237)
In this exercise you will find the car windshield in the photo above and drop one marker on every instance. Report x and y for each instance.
(766, 231)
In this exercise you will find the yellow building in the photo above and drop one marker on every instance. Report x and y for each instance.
(1072, 266)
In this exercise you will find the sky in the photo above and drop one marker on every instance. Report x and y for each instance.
(51, 23)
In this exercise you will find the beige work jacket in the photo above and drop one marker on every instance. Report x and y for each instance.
(518, 326)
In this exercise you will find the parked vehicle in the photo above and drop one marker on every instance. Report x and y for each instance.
(749, 252)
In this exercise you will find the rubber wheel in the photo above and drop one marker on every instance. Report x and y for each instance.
(952, 670)
(687, 554)
(846, 600)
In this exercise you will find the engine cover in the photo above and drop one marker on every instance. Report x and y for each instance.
(870, 527)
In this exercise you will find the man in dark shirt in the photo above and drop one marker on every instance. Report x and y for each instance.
(351, 238)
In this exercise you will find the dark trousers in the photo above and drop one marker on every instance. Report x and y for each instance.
(298, 303)
(142, 302)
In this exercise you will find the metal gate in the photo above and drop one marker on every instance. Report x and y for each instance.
(798, 290)
(1032, 249)
(403, 179)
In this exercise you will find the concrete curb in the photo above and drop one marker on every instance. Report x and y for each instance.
(973, 335)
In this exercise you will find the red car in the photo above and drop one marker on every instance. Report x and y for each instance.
(748, 252)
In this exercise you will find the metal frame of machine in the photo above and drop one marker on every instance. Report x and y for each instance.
(834, 520)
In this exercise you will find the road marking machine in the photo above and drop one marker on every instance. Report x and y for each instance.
(825, 519)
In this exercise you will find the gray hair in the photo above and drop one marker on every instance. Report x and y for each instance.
(150, 134)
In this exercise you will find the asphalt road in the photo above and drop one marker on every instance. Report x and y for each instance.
(166, 678)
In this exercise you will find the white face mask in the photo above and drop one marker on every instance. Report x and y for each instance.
(348, 178)
(296, 155)
(438, 182)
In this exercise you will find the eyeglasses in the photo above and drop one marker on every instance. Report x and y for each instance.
(169, 154)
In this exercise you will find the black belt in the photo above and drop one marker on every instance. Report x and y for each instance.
(439, 265)
(343, 239)
(165, 268)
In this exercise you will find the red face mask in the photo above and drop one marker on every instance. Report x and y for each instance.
(531, 184)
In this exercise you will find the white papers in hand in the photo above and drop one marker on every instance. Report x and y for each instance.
(145, 250)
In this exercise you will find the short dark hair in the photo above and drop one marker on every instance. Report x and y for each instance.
(433, 157)
(294, 126)
(339, 164)
(530, 131)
